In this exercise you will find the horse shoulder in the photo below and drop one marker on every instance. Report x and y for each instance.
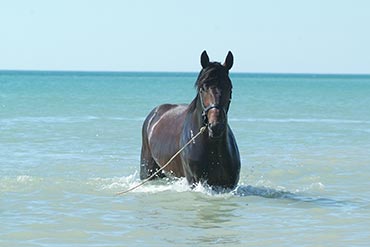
(164, 128)
(167, 118)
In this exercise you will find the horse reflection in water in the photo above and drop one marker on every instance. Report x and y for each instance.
(213, 158)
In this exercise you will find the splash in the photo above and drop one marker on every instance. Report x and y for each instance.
(117, 184)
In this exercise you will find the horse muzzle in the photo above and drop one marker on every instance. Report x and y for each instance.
(216, 130)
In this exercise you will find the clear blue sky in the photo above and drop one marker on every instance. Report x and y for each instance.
(312, 36)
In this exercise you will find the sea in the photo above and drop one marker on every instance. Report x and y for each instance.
(69, 141)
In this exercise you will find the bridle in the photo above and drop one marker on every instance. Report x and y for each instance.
(206, 109)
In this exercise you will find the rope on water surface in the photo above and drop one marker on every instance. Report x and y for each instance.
(202, 129)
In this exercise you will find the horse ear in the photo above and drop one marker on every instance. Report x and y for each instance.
(204, 59)
(229, 61)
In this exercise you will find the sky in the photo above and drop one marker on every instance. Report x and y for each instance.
(265, 36)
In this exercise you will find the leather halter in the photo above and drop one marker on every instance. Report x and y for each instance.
(208, 108)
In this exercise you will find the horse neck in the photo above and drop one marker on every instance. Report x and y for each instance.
(196, 114)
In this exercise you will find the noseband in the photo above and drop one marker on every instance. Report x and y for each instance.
(208, 108)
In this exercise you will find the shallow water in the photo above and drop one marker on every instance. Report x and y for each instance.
(69, 141)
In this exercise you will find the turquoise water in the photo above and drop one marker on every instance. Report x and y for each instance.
(70, 140)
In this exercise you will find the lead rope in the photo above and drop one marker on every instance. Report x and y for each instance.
(201, 130)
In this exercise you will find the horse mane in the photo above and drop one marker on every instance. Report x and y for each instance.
(193, 104)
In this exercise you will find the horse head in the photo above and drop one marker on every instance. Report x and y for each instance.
(214, 93)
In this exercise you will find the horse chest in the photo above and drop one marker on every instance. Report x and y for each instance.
(208, 161)
(215, 160)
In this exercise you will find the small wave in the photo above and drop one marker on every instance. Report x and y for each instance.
(300, 120)
(249, 190)
(63, 120)
(114, 183)
(48, 120)
(271, 193)
(138, 119)
(19, 183)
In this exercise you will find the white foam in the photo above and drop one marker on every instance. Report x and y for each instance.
(178, 185)
(317, 186)
(24, 179)
(114, 183)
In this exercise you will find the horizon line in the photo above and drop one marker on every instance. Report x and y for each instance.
(183, 72)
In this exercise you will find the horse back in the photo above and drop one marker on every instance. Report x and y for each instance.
(162, 129)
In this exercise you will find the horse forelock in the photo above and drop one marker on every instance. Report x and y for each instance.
(214, 74)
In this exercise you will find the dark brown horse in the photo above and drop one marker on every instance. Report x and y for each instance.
(214, 156)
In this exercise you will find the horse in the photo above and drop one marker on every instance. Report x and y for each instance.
(213, 158)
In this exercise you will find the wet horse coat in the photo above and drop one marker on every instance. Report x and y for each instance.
(213, 157)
